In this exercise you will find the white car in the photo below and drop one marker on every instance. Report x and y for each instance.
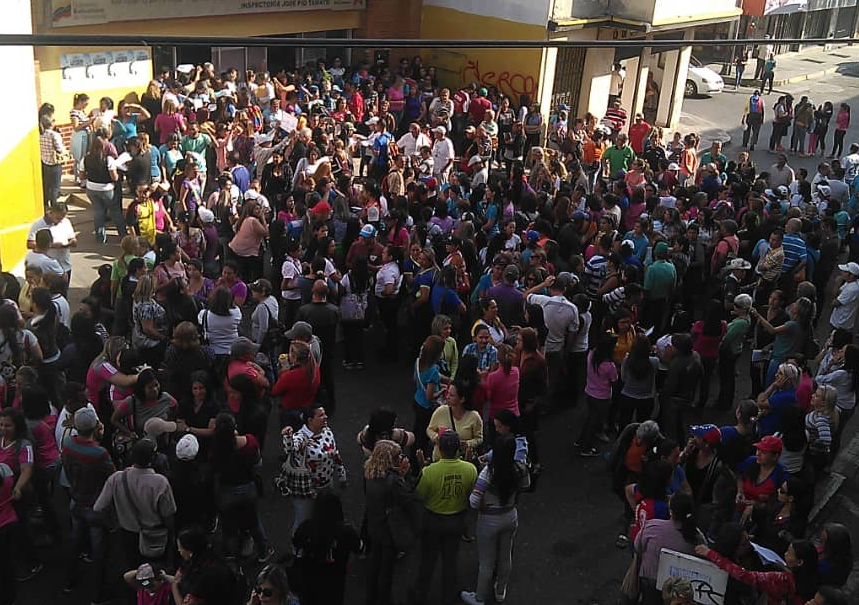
(701, 80)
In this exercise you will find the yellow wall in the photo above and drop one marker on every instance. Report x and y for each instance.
(514, 72)
(21, 182)
(51, 88)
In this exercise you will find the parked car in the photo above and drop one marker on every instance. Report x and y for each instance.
(700, 79)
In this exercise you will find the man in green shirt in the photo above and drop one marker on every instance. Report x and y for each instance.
(444, 488)
(730, 349)
(196, 142)
(659, 282)
(619, 156)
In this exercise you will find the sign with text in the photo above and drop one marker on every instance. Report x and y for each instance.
(708, 581)
(67, 13)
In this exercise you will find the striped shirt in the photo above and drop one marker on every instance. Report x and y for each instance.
(595, 271)
(616, 117)
(818, 429)
(50, 144)
(794, 251)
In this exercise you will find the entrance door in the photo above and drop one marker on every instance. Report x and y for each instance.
(568, 77)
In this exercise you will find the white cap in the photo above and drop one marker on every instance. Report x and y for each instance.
(824, 190)
(475, 159)
(673, 166)
(738, 263)
(206, 215)
(783, 190)
(627, 242)
(440, 129)
(187, 448)
(373, 121)
(851, 267)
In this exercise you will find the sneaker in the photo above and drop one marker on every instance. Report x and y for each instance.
(470, 598)
(590, 452)
(32, 573)
(500, 597)
(466, 537)
(266, 555)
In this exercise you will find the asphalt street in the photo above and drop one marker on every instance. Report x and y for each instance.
(564, 551)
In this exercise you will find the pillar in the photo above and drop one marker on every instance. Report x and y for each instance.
(672, 84)
(596, 81)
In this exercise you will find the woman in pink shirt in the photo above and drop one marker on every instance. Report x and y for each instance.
(41, 420)
(502, 387)
(842, 122)
(396, 95)
(251, 230)
(706, 336)
(169, 121)
(601, 374)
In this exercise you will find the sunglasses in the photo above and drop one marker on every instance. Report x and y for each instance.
(263, 592)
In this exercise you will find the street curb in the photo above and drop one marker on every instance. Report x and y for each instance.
(814, 75)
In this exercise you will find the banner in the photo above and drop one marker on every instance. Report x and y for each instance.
(708, 581)
(66, 13)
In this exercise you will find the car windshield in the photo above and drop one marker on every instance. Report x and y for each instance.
(694, 62)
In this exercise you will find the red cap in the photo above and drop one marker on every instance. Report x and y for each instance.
(770, 444)
(322, 207)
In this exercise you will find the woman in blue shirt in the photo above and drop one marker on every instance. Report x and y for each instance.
(428, 381)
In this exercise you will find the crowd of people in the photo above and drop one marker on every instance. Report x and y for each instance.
(514, 264)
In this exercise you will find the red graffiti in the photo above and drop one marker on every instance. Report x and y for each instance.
(511, 84)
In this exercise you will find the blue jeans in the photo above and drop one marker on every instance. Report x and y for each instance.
(102, 204)
(87, 526)
(237, 505)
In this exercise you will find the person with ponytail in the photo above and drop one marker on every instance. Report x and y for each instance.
(793, 585)
(678, 533)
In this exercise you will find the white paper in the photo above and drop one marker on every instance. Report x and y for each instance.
(122, 161)
(767, 555)
(289, 122)
(708, 581)
(760, 355)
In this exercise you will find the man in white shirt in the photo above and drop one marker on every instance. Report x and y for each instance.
(480, 176)
(38, 257)
(290, 291)
(63, 233)
(442, 155)
(845, 304)
(410, 143)
(850, 163)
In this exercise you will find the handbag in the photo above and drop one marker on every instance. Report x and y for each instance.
(294, 479)
(152, 541)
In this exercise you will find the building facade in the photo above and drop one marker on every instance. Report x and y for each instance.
(577, 77)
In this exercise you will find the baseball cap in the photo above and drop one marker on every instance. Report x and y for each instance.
(660, 250)
(851, 267)
(206, 215)
(824, 190)
(770, 444)
(482, 92)
(86, 419)
(738, 263)
(710, 433)
(564, 107)
(300, 330)
(444, 187)
(322, 207)
(782, 190)
(562, 281)
(367, 231)
(155, 427)
(578, 215)
(511, 272)
(673, 166)
(187, 448)
(743, 301)
(475, 159)
(627, 243)
(533, 236)
(440, 129)
(145, 575)
(243, 346)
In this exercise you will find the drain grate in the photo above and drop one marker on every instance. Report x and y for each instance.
(839, 56)
(814, 61)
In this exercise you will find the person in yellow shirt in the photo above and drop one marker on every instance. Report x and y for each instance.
(456, 415)
(145, 213)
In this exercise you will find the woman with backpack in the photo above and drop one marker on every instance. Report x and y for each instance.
(355, 288)
(17, 347)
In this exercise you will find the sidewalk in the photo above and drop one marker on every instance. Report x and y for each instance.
(708, 131)
(808, 64)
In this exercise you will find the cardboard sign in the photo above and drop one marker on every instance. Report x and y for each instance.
(708, 581)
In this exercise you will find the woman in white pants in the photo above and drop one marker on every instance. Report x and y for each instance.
(495, 495)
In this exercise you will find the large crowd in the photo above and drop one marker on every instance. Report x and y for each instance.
(521, 267)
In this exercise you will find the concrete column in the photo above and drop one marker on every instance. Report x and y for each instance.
(548, 64)
(627, 95)
(640, 84)
(673, 82)
(596, 80)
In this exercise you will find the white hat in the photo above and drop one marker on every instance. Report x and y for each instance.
(373, 121)
(627, 242)
(743, 301)
(738, 263)
(155, 427)
(475, 159)
(782, 190)
(440, 129)
(851, 267)
(673, 166)
(187, 448)
(824, 190)
(206, 215)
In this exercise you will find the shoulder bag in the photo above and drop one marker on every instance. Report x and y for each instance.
(152, 542)
(294, 479)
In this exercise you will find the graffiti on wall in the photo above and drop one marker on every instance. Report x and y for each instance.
(513, 84)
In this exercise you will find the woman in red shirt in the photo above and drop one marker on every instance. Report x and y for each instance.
(502, 388)
(706, 336)
(297, 384)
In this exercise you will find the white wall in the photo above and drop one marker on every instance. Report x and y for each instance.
(684, 10)
(18, 66)
(529, 12)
